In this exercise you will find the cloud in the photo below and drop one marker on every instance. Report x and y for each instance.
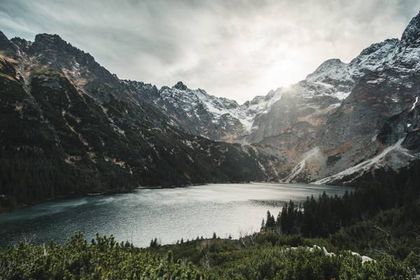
(237, 49)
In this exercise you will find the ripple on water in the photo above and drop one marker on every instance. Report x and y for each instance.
(168, 214)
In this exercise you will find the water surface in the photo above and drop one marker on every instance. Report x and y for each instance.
(167, 214)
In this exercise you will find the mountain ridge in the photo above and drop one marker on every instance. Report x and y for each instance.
(319, 125)
(70, 127)
(63, 111)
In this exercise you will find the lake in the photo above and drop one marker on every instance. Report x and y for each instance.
(167, 214)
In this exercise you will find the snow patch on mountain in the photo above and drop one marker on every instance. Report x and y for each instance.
(203, 114)
(414, 104)
(330, 70)
(191, 101)
(314, 155)
(394, 156)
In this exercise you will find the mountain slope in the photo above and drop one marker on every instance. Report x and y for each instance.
(400, 135)
(322, 125)
(198, 112)
(68, 126)
(389, 89)
(202, 114)
(330, 121)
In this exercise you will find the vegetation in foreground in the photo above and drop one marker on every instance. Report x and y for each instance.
(262, 256)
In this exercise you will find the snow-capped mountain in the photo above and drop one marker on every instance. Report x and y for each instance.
(400, 145)
(65, 116)
(68, 126)
(223, 119)
(320, 126)
(200, 113)
(330, 122)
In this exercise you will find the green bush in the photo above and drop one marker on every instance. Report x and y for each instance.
(103, 258)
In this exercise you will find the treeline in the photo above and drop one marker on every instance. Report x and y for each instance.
(388, 211)
(25, 180)
(327, 214)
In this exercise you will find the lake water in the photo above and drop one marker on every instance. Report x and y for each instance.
(167, 214)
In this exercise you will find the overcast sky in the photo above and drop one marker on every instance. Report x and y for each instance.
(236, 49)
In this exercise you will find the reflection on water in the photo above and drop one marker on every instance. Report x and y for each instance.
(168, 214)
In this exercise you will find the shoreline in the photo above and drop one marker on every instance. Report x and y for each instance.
(112, 192)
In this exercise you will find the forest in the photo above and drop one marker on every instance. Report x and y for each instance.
(382, 219)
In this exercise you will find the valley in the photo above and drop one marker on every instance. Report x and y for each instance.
(109, 178)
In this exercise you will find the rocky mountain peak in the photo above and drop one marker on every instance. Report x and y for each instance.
(330, 68)
(6, 45)
(45, 38)
(3, 38)
(21, 43)
(333, 62)
(411, 34)
(180, 85)
(377, 47)
(373, 57)
(49, 42)
(54, 48)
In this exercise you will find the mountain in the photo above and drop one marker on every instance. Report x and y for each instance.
(399, 141)
(386, 86)
(202, 114)
(197, 112)
(328, 123)
(70, 127)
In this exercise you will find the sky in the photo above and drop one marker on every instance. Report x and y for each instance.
(236, 49)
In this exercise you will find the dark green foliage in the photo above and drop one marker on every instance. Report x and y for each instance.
(328, 214)
(395, 232)
(154, 243)
(268, 255)
(301, 264)
(270, 222)
(290, 218)
(377, 221)
(104, 258)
